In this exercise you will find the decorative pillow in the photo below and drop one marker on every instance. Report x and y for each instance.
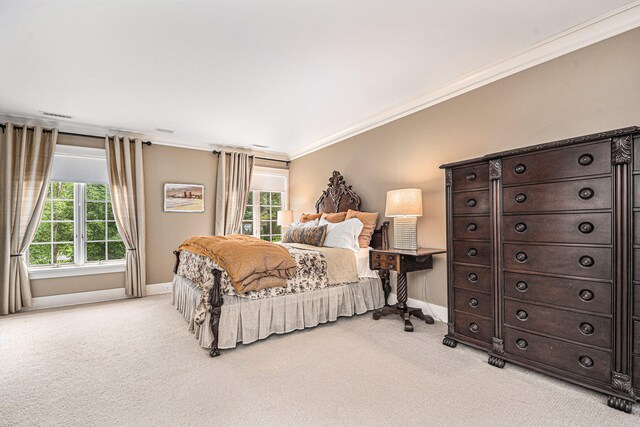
(309, 217)
(369, 220)
(343, 234)
(308, 235)
(334, 217)
(312, 223)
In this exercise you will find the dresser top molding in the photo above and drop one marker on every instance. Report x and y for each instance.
(552, 144)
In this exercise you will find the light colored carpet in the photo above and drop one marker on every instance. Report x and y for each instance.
(133, 362)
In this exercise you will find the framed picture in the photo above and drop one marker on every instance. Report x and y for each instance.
(183, 197)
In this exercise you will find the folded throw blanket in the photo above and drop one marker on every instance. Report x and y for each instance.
(251, 263)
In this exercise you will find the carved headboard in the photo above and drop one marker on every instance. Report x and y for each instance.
(339, 197)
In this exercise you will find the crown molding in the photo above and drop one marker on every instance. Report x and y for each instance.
(603, 27)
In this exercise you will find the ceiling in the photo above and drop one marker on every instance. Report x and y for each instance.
(291, 75)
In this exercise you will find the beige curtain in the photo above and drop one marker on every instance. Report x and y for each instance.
(234, 182)
(126, 179)
(26, 158)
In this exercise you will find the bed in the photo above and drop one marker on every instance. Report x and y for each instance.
(221, 318)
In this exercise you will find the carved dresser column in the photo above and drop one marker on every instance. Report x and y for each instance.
(495, 195)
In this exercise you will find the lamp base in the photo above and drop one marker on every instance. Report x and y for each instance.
(405, 235)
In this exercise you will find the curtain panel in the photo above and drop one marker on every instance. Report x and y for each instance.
(234, 183)
(26, 159)
(126, 179)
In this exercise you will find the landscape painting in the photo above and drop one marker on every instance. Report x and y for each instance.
(183, 198)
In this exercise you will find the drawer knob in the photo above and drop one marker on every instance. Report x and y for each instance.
(585, 227)
(522, 286)
(471, 177)
(585, 159)
(472, 227)
(586, 361)
(586, 295)
(520, 198)
(586, 328)
(521, 257)
(472, 252)
(586, 261)
(522, 344)
(391, 257)
(521, 227)
(473, 302)
(473, 327)
(471, 203)
(586, 193)
(520, 168)
(473, 277)
(522, 315)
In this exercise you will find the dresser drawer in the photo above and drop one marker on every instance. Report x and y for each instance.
(473, 302)
(475, 327)
(636, 372)
(384, 261)
(574, 261)
(636, 338)
(559, 196)
(636, 300)
(472, 252)
(590, 228)
(471, 203)
(570, 293)
(585, 361)
(581, 160)
(471, 227)
(583, 328)
(472, 277)
(471, 177)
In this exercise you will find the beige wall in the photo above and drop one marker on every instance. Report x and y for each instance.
(594, 89)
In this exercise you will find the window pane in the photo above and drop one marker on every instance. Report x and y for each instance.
(248, 214)
(264, 228)
(275, 228)
(112, 231)
(46, 211)
(247, 228)
(265, 213)
(62, 190)
(95, 251)
(43, 234)
(115, 250)
(276, 238)
(96, 192)
(63, 232)
(264, 198)
(96, 231)
(63, 254)
(274, 214)
(276, 199)
(250, 198)
(267, 238)
(95, 210)
(63, 210)
(39, 254)
(110, 211)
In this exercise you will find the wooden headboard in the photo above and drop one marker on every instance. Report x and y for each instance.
(339, 197)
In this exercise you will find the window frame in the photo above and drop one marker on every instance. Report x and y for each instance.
(284, 197)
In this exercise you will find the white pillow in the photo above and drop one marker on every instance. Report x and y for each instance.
(343, 234)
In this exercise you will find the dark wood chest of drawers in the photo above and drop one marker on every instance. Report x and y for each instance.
(543, 246)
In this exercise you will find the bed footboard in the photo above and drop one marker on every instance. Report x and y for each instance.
(215, 302)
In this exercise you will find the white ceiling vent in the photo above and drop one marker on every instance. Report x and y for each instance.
(260, 146)
(56, 115)
(164, 130)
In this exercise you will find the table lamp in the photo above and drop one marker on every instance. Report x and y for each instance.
(404, 206)
(285, 218)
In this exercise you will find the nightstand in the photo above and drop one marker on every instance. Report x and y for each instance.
(402, 262)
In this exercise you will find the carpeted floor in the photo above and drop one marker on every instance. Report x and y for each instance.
(133, 362)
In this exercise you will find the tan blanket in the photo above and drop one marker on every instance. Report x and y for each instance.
(341, 263)
(251, 263)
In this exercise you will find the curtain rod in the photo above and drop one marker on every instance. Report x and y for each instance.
(3, 126)
(217, 153)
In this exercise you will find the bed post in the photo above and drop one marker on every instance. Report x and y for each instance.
(215, 302)
(175, 267)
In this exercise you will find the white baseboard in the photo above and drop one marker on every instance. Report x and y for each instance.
(438, 312)
(77, 298)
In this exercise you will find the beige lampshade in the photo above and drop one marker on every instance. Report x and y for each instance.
(406, 202)
(285, 218)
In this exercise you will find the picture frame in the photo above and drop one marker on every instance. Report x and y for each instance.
(183, 197)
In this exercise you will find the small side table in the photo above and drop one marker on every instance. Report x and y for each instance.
(402, 262)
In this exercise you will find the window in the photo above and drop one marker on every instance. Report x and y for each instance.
(268, 196)
(76, 227)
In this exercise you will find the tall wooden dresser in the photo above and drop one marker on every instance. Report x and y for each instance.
(543, 247)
